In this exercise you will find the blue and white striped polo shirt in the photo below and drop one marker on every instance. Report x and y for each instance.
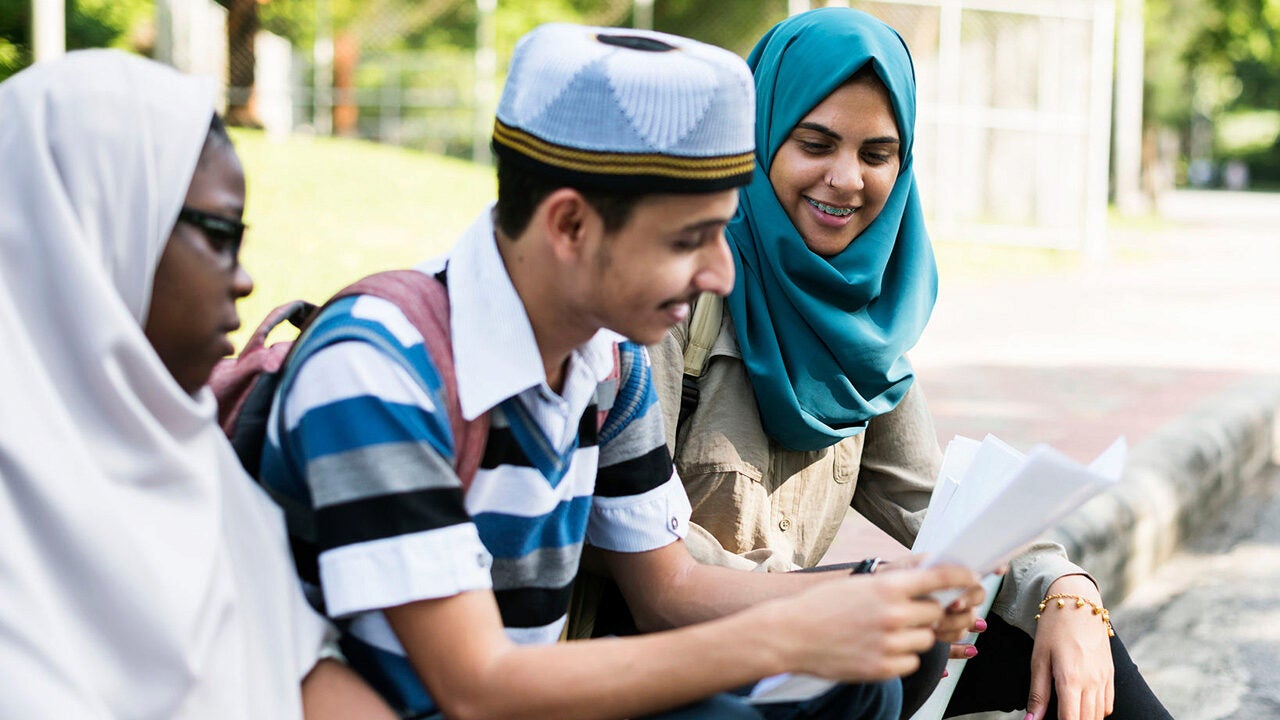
(379, 517)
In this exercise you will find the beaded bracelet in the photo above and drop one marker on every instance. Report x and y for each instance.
(1080, 602)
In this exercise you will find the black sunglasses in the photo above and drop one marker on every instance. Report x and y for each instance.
(226, 233)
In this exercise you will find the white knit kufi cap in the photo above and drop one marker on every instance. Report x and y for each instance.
(627, 110)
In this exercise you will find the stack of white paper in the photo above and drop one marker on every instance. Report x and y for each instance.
(989, 502)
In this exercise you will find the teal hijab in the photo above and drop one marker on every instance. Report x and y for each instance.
(823, 339)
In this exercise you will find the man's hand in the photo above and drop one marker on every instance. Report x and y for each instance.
(963, 651)
(868, 628)
(961, 613)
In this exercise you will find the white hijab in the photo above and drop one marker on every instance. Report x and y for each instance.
(142, 573)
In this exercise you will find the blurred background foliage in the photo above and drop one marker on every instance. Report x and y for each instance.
(1212, 66)
(90, 23)
(1217, 63)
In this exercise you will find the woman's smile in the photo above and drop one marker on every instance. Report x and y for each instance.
(836, 210)
(833, 216)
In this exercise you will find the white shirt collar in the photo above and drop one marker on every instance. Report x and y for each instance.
(494, 351)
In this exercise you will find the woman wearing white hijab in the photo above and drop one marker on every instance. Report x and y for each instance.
(142, 573)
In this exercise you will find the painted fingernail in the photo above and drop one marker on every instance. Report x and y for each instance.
(980, 624)
(946, 673)
(970, 651)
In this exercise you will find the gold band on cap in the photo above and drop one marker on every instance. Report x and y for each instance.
(610, 163)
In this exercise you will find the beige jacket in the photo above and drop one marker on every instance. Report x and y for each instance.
(757, 505)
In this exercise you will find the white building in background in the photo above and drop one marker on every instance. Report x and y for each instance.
(191, 35)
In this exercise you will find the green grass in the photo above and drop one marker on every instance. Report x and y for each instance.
(324, 212)
(968, 261)
(1131, 239)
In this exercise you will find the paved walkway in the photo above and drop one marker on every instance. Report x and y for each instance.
(1130, 347)
(1119, 347)
(1205, 628)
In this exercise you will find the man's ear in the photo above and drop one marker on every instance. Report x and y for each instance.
(569, 222)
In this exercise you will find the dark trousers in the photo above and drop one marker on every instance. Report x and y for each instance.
(874, 701)
(878, 701)
(871, 701)
(999, 678)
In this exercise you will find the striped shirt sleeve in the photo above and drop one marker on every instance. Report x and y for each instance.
(376, 452)
(640, 503)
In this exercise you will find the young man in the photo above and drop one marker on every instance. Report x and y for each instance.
(619, 155)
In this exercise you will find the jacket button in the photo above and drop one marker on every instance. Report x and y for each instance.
(784, 524)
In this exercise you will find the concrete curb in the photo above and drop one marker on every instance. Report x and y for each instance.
(1177, 483)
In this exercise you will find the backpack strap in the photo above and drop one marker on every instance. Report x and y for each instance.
(708, 312)
(607, 391)
(424, 301)
(235, 382)
(297, 312)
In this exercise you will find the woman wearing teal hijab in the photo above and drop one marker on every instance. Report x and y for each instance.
(804, 402)
(823, 338)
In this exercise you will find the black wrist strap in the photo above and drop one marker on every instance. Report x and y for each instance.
(866, 567)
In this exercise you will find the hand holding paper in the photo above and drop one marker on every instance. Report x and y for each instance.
(991, 500)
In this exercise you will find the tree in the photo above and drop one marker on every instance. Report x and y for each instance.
(90, 23)
(242, 27)
(1216, 64)
(1241, 39)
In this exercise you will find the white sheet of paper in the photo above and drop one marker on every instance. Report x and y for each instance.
(788, 687)
(1042, 491)
(990, 471)
(990, 501)
(972, 473)
(955, 461)
(1045, 489)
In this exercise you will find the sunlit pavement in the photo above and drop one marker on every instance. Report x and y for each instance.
(1131, 345)
(1205, 629)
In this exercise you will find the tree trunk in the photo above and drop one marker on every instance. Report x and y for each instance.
(242, 27)
(346, 111)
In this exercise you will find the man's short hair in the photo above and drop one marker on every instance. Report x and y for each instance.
(618, 114)
(520, 192)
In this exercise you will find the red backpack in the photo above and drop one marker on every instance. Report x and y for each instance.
(245, 385)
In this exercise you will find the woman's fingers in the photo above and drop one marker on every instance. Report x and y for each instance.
(1041, 684)
(1088, 704)
(962, 651)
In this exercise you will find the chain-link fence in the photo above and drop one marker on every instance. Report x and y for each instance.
(396, 83)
